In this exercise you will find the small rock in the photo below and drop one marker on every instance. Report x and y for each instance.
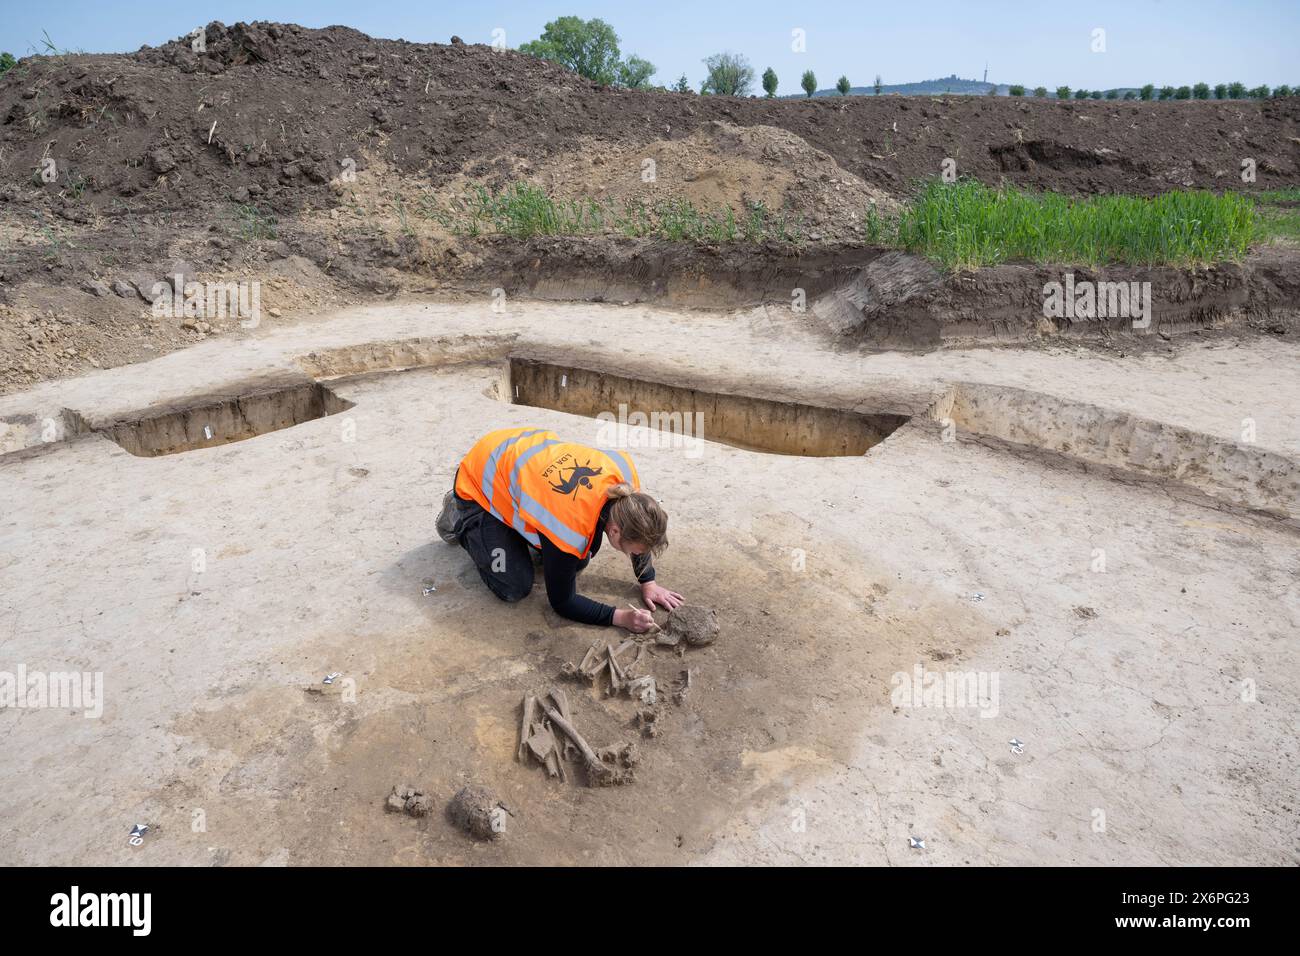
(161, 160)
(96, 287)
(179, 267)
(125, 289)
(410, 801)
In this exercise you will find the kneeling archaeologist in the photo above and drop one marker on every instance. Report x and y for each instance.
(522, 495)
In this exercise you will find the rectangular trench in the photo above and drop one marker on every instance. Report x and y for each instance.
(754, 424)
(221, 420)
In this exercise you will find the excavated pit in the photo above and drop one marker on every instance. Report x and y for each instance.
(742, 421)
(1125, 446)
(220, 420)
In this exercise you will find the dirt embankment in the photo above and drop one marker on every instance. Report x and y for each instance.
(271, 111)
(308, 160)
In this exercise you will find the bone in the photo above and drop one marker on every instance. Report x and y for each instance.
(530, 711)
(593, 760)
(587, 659)
(561, 700)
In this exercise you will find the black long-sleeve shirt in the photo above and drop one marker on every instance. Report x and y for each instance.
(560, 571)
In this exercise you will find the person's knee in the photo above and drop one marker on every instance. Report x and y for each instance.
(513, 592)
(511, 588)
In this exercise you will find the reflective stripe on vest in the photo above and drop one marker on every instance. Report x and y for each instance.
(517, 498)
(490, 469)
(505, 475)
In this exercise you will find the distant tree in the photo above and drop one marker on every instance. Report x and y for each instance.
(842, 84)
(1112, 94)
(769, 82)
(683, 85)
(1259, 93)
(1016, 90)
(1095, 94)
(1236, 91)
(1282, 90)
(1147, 92)
(1040, 92)
(1130, 95)
(809, 82)
(587, 47)
(729, 75)
(1221, 91)
(992, 90)
(7, 62)
(1167, 92)
(1062, 92)
(635, 72)
(1081, 94)
(878, 86)
(1201, 91)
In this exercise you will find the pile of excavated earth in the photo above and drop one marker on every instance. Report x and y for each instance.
(321, 164)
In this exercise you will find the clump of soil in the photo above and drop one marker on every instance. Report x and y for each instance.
(475, 809)
(617, 765)
(408, 800)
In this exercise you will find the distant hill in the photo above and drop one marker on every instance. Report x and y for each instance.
(949, 84)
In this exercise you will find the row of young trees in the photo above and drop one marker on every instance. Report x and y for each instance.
(729, 74)
(1200, 91)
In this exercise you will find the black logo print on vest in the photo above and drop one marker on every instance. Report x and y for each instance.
(580, 478)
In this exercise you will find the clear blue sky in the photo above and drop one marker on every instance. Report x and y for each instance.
(1158, 41)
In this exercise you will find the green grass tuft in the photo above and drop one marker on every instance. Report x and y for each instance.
(522, 210)
(255, 223)
(967, 224)
(1278, 213)
(961, 225)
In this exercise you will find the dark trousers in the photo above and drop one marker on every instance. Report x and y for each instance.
(503, 557)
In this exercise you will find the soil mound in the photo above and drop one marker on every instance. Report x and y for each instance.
(269, 112)
(721, 165)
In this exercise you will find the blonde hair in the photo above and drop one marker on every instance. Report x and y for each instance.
(639, 517)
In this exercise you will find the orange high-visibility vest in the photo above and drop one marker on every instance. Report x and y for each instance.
(537, 484)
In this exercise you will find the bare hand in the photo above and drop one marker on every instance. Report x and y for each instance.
(634, 620)
(656, 596)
